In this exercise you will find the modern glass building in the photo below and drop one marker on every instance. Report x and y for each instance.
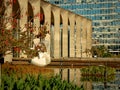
(106, 19)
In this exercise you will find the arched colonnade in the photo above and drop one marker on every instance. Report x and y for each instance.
(70, 34)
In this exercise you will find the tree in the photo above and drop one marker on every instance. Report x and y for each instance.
(100, 51)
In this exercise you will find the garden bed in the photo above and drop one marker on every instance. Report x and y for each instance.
(22, 69)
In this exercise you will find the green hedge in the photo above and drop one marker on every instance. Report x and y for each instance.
(30, 82)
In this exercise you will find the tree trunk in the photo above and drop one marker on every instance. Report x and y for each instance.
(0, 74)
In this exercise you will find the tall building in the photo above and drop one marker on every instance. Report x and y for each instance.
(105, 15)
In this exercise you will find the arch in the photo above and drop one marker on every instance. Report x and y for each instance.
(2, 12)
(64, 19)
(16, 10)
(2, 7)
(52, 18)
(78, 36)
(55, 44)
(62, 13)
(61, 20)
(30, 13)
(42, 16)
(68, 21)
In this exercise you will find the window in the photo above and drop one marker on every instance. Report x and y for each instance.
(103, 17)
(78, 1)
(57, 2)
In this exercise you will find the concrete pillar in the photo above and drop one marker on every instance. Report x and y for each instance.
(64, 15)
(72, 27)
(23, 10)
(8, 14)
(56, 13)
(89, 36)
(52, 41)
(81, 36)
(8, 10)
(78, 36)
(84, 36)
(47, 14)
(36, 10)
(22, 21)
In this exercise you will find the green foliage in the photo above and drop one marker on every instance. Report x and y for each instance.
(100, 51)
(98, 74)
(30, 82)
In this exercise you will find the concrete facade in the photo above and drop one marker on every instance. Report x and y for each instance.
(70, 33)
(105, 16)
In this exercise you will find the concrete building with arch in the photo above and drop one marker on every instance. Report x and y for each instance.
(70, 33)
(105, 16)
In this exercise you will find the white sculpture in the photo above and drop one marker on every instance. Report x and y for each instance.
(43, 58)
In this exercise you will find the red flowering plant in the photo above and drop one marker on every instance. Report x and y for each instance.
(17, 40)
(9, 42)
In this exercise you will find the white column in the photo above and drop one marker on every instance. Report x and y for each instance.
(64, 15)
(77, 36)
(89, 36)
(72, 27)
(36, 10)
(47, 13)
(8, 15)
(23, 10)
(84, 36)
(56, 14)
(81, 36)
(8, 10)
